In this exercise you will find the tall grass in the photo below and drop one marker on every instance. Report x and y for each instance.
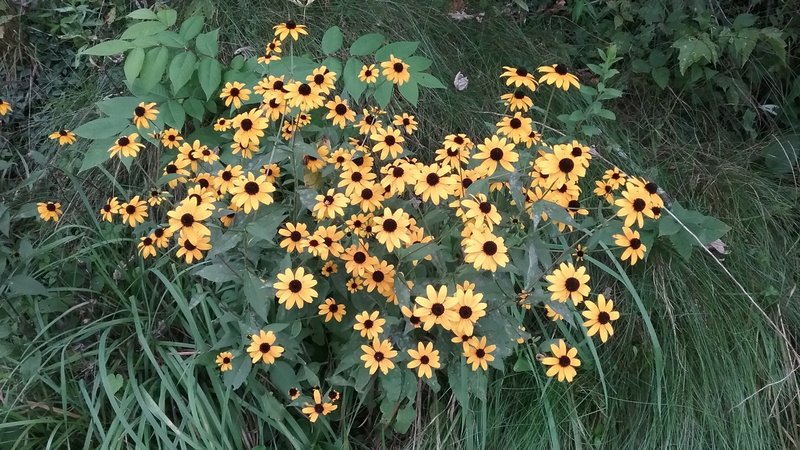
(117, 356)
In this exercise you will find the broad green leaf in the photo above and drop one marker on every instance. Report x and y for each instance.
(102, 128)
(143, 14)
(174, 115)
(119, 107)
(405, 417)
(265, 226)
(400, 49)
(366, 44)
(140, 29)
(695, 49)
(661, 76)
(242, 365)
(194, 108)
(97, 154)
(428, 80)
(181, 69)
(217, 273)
(744, 21)
(383, 93)
(332, 40)
(352, 84)
(155, 63)
(171, 39)
(208, 43)
(167, 16)
(133, 64)
(782, 154)
(259, 295)
(192, 26)
(410, 91)
(210, 74)
(109, 48)
(25, 285)
(418, 63)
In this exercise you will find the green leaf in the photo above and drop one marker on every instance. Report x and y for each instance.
(383, 93)
(96, 155)
(140, 29)
(155, 64)
(102, 128)
(194, 108)
(119, 106)
(405, 417)
(352, 84)
(191, 27)
(282, 375)
(181, 69)
(266, 226)
(210, 74)
(692, 49)
(410, 91)
(400, 49)
(781, 155)
(168, 17)
(208, 43)
(25, 285)
(366, 44)
(744, 42)
(332, 40)
(171, 39)
(234, 378)
(660, 76)
(133, 64)
(428, 80)
(744, 21)
(109, 48)
(143, 14)
(217, 273)
(418, 63)
(259, 295)
(174, 115)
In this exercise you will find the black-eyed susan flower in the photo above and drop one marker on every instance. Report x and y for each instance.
(567, 283)
(563, 362)
(369, 198)
(171, 138)
(552, 314)
(369, 123)
(329, 205)
(634, 206)
(615, 178)
(134, 211)
(436, 308)
(177, 168)
(354, 285)
(519, 76)
(397, 175)
(378, 355)
(273, 47)
(388, 142)
(294, 393)
(126, 146)
(249, 126)
(323, 79)
(156, 197)
(368, 74)
(204, 154)
(64, 136)
(560, 166)
(534, 137)
(405, 121)
(290, 28)
(391, 228)
(558, 75)
(424, 359)
(395, 70)
(339, 113)
(485, 251)
(332, 310)
(49, 211)
(271, 87)
(632, 243)
(226, 178)
(147, 247)
(434, 183)
(412, 315)
(109, 209)
(160, 237)
(380, 277)
(357, 259)
(452, 157)
(478, 353)
(369, 325)
(329, 268)
(599, 317)
(304, 96)
(469, 308)
(272, 171)
(295, 288)
(249, 192)
(187, 218)
(579, 253)
(496, 151)
(294, 235)
(329, 239)
(234, 93)
(143, 114)
(604, 191)
(222, 124)
(318, 408)
(262, 347)
(192, 249)
(517, 100)
(479, 210)
(516, 128)
(5, 107)
(224, 361)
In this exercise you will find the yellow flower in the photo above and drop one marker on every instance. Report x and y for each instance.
(192, 249)
(559, 75)
(5, 107)
(294, 236)
(496, 151)
(436, 308)
(485, 251)
(147, 247)
(304, 96)
(552, 314)
(368, 74)
(600, 315)
(634, 205)
(478, 353)
(49, 211)
(563, 362)
(133, 212)
(249, 126)
(188, 217)
(566, 283)
(424, 359)
(313, 411)
(177, 167)
(289, 29)
(517, 100)
(406, 121)
(369, 325)
(392, 228)
(481, 211)
(262, 347)
(234, 93)
(126, 146)
(323, 79)
(631, 242)
(434, 183)
(389, 142)
(249, 192)
(171, 138)
(381, 277)
(222, 124)
(519, 77)
(395, 70)
(143, 114)
(329, 269)
(332, 310)
(339, 112)
(560, 166)
(469, 308)
(517, 128)
(378, 356)
(295, 288)
(225, 361)
(109, 209)
(294, 393)
(329, 205)
(64, 136)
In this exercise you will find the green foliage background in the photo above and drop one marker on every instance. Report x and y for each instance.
(103, 352)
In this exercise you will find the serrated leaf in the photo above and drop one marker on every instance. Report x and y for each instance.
(332, 40)
(366, 44)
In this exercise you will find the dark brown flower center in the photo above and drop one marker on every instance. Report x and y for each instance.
(295, 286)
(367, 73)
(639, 204)
(246, 124)
(515, 123)
(139, 111)
(319, 78)
(264, 347)
(485, 207)
(490, 248)
(130, 209)
(226, 360)
(576, 151)
(187, 244)
(496, 154)
(398, 67)
(635, 243)
(304, 89)
(379, 356)
(566, 165)
(123, 141)
(295, 236)
(50, 207)
(291, 25)
(480, 353)
(465, 312)
(341, 109)
(368, 324)
(389, 225)
(251, 187)
(572, 284)
(522, 72)
(564, 361)
(432, 179)
(378, 276)
(187, 220)
(519, 95)
(333, 308)
(603, 318)
(397, 172)
(147, 241)
(319, 408)
(651, 187)
(437, 309)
